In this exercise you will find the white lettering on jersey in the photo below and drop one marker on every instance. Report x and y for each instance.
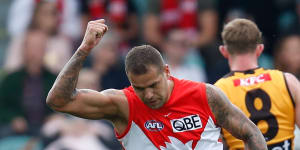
(252, 80)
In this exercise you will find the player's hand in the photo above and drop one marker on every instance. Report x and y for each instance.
(93, 34)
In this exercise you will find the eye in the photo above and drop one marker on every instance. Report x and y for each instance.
(139, 89)
(156, 84)
(153, 85)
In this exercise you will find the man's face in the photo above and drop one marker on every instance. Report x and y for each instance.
(151, 87)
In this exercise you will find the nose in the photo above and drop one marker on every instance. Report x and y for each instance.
(149, 93)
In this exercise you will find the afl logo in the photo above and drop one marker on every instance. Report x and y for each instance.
(153, 125)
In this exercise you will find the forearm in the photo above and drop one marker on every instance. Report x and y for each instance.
(244, 129)
(64, 88)
(233, 120)
(254, 140)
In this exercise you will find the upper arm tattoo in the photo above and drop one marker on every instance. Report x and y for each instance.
(220, 107)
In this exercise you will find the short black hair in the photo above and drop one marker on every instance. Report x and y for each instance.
(139, 58)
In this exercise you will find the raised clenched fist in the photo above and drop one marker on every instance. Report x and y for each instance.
(93, 34)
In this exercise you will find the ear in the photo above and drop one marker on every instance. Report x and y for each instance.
(223, 50)
(259, 49)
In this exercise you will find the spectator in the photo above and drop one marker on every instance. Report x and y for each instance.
(23, 92)
(76, 133)
(107, 62)
(46, 17)
(120, 14)
(287, 55)
(272, 17)
(198, 19)
(22, 11)
(88, 79)
(179, 56)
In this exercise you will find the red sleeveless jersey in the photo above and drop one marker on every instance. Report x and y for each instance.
(184, 122)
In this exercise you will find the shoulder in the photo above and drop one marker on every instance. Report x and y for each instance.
(184, 82)
(219, 82)
(290, 77)
(272, 72)
(226, 77)
(218, 103)
(291, 80)
(188, 86)
(14, 76)
(119, 99)
(293, 85)
(212, 91)
(225, 82)
(215, 95)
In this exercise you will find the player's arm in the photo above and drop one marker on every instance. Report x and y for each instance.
(294, 87)
(233, 120)
(64, 96)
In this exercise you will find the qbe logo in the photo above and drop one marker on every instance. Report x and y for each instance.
(187, 123)
(153, 125)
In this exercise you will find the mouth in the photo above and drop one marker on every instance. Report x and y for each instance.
(153, 102)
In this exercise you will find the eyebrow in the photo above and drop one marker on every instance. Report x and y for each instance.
(152, 85)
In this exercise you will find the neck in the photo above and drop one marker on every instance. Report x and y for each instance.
(242, 62)
(33, 69)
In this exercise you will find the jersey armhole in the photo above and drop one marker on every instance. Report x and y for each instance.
(129, 99)
(203, 93)
(287, 88)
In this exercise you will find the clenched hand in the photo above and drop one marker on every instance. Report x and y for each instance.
(93, 34)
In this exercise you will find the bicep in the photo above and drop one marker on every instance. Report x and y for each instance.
(293, 85)
(91, 104)
(227, 115)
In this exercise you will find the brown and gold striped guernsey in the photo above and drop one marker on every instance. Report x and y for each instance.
(264, 97)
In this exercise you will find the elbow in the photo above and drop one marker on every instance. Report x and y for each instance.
(50, 101)
(54, 102)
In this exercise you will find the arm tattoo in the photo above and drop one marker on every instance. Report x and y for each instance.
(232, 119)
(65, 84)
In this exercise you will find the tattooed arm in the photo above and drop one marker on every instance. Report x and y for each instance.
(232, 119)
(64, 96)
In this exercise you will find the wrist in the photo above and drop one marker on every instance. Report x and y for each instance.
(82, 52)
(85, 48)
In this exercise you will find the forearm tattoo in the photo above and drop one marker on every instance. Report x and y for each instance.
(65, 84)
(233, 120)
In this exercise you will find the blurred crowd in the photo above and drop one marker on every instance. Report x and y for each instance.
(37, 37)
